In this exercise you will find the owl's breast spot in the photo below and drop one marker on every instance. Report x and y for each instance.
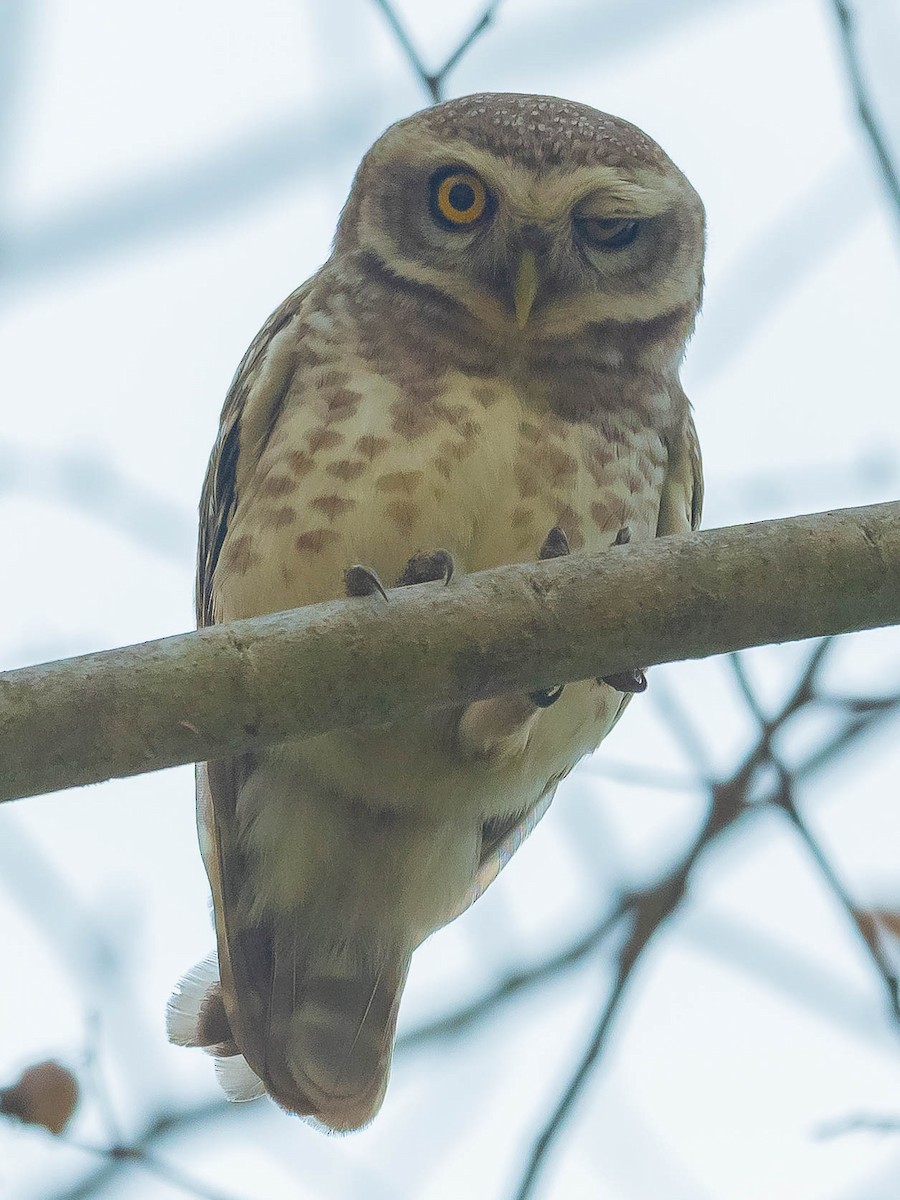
(482, 474)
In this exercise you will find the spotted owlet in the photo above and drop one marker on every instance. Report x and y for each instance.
(485, 371)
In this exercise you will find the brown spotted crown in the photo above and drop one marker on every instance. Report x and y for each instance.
(541, 131)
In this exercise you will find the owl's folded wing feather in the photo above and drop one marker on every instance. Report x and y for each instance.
(681, 503)
(251, 407)
(309, 1018)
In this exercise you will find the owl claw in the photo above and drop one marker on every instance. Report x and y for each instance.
(427, 568)
(361, 581)
(633, 681)
(626, 681)
(556, 544)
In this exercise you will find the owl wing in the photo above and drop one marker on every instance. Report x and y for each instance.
(248, 415)
(680, 509)
(500, 840)
(251, 407)
(681, 502)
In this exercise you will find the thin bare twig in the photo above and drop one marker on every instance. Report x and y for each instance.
(649, 910)
(598, 1040)
(786, 802)
(858, 1123)
(94, 1071)
(462, 1019)
(861, 705)
(474, 33)
(834, 748)
(889, 173)
(95, 487)
(433, 82)
(804, 687)
(730, 799)
(805, 693)
(154, 1166)
(736, 662)
(157, 1128)
(682, 727)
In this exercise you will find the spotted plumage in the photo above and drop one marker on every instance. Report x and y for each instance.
(490, 354)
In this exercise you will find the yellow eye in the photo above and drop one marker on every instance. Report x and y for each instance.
(458, 198)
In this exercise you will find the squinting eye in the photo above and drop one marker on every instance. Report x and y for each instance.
(607, 233)
(458, 198)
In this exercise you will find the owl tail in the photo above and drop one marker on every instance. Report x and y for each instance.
(195, 1016)
(331, 1039)
(329, 1033)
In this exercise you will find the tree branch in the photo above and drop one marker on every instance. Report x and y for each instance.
(238, 687)
(433, 82)
(649, 909)
(864, 106)
(858, 1123)
(462, 1020)
(864, 926)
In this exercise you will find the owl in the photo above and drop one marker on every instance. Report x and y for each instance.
(485, 371)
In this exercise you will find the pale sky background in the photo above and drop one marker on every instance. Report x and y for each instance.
(168, 173)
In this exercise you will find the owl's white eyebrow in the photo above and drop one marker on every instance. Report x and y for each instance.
(604, 205)
(624, 198)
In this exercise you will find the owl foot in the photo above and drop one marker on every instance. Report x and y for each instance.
(626, 681)
(556, 545)
(427, 568)
(361, 581)
(498, 728)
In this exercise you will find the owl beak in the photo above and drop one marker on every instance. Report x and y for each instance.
(525, 287)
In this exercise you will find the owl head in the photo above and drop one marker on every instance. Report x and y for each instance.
(534, 216)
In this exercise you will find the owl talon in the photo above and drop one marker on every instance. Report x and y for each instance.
(556, 544)
(633, 681)
(361, 581)
(427, 568)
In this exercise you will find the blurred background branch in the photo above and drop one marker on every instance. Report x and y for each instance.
(433, 81)
(846, 20)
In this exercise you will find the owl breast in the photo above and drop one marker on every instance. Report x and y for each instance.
(357, 471)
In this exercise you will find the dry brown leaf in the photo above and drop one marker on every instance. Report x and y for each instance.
(45, 1094)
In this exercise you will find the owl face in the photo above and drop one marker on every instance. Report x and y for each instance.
(535, 215)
